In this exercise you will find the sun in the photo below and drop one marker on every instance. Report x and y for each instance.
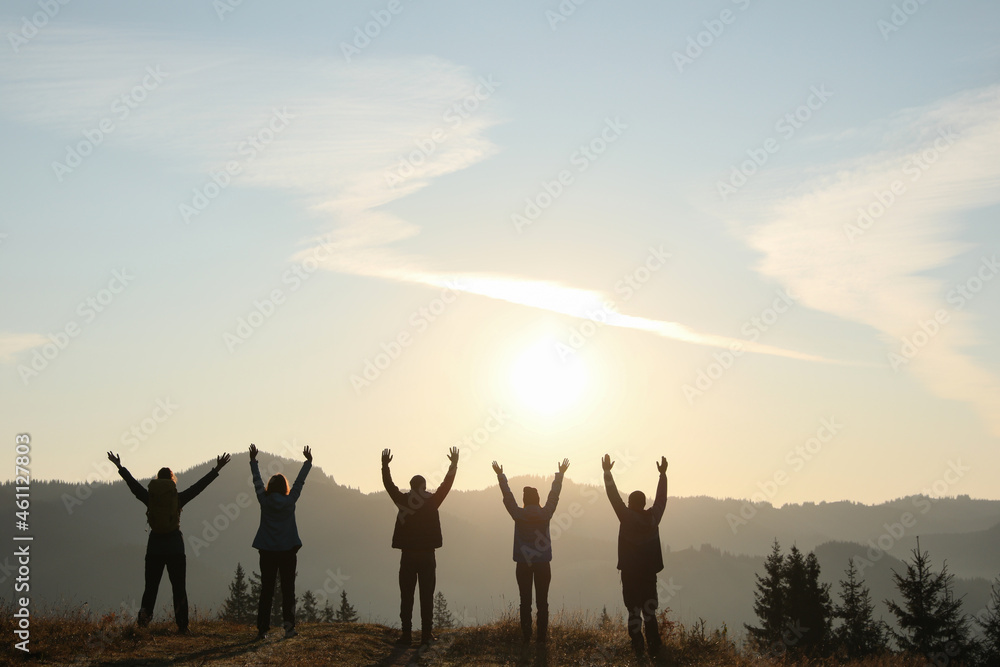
(548, 379)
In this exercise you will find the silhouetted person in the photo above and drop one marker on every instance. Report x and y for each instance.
(532, 547)
(639, 554)
(417, 534)
(165, 547)
(277, 541)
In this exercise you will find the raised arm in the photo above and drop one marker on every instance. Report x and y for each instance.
(300, 480)
(137, 489)
(509, 503)
(553, 499)
(258, 483)
(449, 478)
(390, 488)
(609, 484)
(660, 504)
(188, 494)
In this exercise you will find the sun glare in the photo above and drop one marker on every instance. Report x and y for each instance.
(546, 381)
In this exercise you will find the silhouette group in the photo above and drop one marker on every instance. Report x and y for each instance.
(417, 534)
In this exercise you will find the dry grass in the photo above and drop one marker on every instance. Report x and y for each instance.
(69, 638)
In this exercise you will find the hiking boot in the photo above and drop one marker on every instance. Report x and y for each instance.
(405, 637)
(290, 632)
(426, 638)
(144, 618)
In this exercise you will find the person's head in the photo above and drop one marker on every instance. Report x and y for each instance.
(166, 473)
(531, 496)
(418, 484)
(278, 484)
(637, 501)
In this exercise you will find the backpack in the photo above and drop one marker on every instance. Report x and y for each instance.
(162, 512)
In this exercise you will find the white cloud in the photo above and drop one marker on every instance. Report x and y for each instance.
(872, 270)
(13, 344)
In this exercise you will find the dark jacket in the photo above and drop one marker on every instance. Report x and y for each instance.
(638, 532)
(418, 525)
(532, 543)
(277, 530)
(166, 544)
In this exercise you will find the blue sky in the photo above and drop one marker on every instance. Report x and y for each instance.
(372, 201)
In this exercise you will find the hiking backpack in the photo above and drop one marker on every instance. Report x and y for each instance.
(162, 512)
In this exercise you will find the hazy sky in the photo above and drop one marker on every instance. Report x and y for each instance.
(758, 238)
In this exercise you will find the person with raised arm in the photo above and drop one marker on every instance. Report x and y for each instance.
(277, 541)
(165, 546)
(640, 556)
(532, 547)
(417, 533)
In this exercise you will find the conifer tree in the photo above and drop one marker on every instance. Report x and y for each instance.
(769, 602)
(239, 607)
(989, 624)
(346, 612)
(442, 617)
(859, 634)
(309, 612)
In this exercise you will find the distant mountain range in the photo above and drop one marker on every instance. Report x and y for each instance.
(89, 545)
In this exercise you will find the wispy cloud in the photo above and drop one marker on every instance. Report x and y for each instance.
(13, 344)
(848, 244)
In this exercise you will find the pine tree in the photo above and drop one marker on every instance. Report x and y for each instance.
(990, 626)
(346, 612)
(327, 613)
(605, 618)
(859, 635)
(930, 619)
(309, 613)
(239, 607)
(817, 612)
(769, 599)
(442, 617)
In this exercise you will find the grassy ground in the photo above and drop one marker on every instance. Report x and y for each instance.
(66, 639)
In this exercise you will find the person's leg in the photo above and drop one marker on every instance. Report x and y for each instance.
(427, 574)
(286, 566)
(177, 571)
(153, 574)
(268, 574)
(651, 602)
(523, 575)
(632, 597)
(543, 577)
(407, 585)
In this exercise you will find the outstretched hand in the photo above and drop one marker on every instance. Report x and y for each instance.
(497, 468)
(386, 457)
(253, 452)
(564, 465)
(117, 460)
(662, 465)
(607, 463)
(453, 456)
(306, 452)
(221, 461)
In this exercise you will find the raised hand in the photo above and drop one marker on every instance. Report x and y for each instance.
(117, 460)
(306, 452)
(497, 468)
(221, 461)
(253, 452)
(607, 463)
(453, 455)
(386, 456)
(564, 465)
(662, 465)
